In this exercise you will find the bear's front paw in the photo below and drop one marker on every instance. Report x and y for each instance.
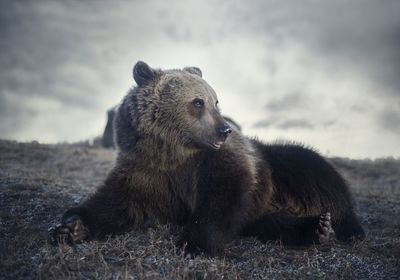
(324, 229)
(70, 231)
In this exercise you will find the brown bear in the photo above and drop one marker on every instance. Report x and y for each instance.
(179, 161)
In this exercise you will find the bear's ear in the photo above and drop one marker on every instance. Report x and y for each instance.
(193, 70)
(143, 73)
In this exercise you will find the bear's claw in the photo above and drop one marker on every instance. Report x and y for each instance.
(70, 231)
(324, 231)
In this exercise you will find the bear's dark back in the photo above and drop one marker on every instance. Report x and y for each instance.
(306, 183)
(125, 135)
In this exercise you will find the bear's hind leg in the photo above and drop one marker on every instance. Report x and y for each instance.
(349, 229)
(291, 230)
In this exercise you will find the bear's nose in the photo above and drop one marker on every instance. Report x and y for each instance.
(224, 130)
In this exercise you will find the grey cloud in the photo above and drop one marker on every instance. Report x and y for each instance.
(285, 124)
(293, 124)
(263, 124)
(359, 108)
(34, 50)
(178, 33)
(15, 114)
(289, 102)
(329, 124)
(363, 35)
(58, 50)
(390, 118)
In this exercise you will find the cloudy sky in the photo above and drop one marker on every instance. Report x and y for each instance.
(325, 73)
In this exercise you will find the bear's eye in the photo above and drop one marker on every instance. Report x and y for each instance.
(198, 103)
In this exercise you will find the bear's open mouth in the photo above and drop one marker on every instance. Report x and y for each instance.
(216, 145)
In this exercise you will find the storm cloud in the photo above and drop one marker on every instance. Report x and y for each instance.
(318, 72)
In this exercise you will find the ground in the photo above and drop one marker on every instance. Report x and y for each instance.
(39, 182)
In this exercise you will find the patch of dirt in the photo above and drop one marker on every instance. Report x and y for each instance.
(39, 182)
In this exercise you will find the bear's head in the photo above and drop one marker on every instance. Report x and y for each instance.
(177, 107)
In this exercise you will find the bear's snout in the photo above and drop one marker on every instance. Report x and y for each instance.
(224, 130)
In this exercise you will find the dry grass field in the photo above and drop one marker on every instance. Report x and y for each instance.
(39, 182)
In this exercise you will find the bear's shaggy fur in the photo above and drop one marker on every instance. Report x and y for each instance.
(177, 164)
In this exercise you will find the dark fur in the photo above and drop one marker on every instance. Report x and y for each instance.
(306, 186)
(165, 172)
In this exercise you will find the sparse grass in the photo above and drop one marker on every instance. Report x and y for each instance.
(39, 182)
